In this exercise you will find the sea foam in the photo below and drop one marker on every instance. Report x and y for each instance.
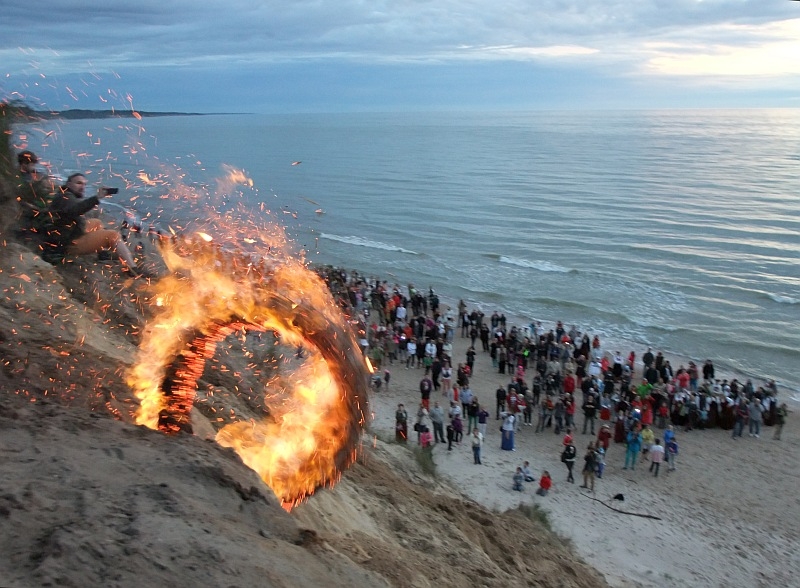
(783, 299)
(542, 266)
(362, 242)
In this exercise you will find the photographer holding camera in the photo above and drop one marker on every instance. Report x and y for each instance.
(75, 235)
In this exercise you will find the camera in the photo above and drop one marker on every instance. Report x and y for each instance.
(110, 191)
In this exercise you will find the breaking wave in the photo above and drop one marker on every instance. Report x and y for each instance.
(783, 299)
(542, 266)
(362, 242)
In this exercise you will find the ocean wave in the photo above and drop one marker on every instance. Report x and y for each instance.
(542, 266)
(662, 328)
(782, 299)
(362, 242)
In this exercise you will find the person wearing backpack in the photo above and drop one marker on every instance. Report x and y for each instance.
(568, 459)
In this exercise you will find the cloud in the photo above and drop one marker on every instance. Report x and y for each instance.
(77, 43)
(767, 50)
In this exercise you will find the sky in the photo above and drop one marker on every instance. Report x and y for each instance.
(269, 56)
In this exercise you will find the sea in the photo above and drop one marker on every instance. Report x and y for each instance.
(678, 230)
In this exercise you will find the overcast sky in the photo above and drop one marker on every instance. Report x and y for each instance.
(388, 55)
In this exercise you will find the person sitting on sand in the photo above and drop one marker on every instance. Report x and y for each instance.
(34, 194)
(518, 479)
(545, 483)
(526, 471)
(76, 235)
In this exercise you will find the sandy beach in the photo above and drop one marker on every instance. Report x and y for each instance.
(729, 514)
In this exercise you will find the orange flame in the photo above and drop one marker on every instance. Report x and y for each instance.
(313, 427)
(233, 177)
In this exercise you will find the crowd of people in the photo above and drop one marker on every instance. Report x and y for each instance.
(557, 380)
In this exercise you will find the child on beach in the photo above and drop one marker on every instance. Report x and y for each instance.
(663, 413)
(672, 453)
(656, 457)
(526, 471)
(545, 483)
(518, 479)
(648, 437)
(601, 461)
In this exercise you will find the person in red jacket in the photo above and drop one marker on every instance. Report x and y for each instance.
(604, 437)
(569, 384)
(545, 483)
(569, 411)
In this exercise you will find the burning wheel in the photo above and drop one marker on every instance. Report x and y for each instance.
(311, 436)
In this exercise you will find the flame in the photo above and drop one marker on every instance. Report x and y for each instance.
(314, 422)
(233, 177)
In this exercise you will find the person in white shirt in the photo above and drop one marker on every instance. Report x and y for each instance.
(411, 349)
(430, 348)
(477, 442)
(656, 457)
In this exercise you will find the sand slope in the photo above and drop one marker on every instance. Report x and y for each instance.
(88, 499)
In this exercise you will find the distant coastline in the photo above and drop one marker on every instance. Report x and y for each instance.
(81, 113)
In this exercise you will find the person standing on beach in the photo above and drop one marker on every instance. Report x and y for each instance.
(502, 356)
(425, 387)
(447, 379)
(436, 372)
(568, 456)
(756, 411)
(401, 424)
(507, 429)
(477, 443)
(648, 438)
(672, 453)
(656, 457)
(634, 439)
(500, 394)
(437, 420)
(741, 413)
(473, 408)
(466, 398)
(647, 360)
(780, 420)
(708, 371)
(411, 350)
(471, 360)
(589, 467)
(589, 412)
(451, 435)
(483, 418)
